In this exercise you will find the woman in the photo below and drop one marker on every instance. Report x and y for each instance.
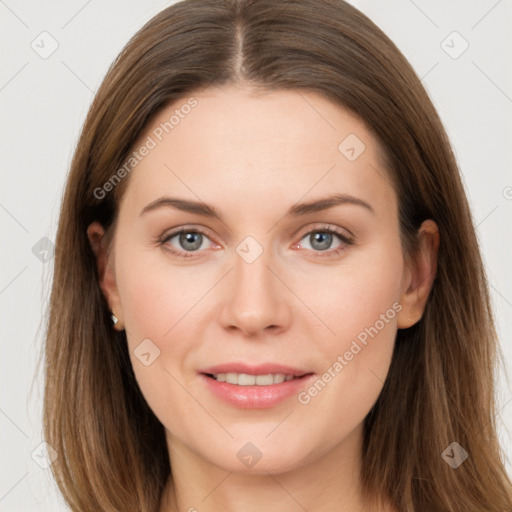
(268, 292)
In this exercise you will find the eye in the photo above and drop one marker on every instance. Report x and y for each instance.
(187, 242)
(322, 238)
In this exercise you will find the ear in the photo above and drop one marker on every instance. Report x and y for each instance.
(419, 274)
(106, 275)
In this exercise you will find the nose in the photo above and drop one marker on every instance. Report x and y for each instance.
(256, 299)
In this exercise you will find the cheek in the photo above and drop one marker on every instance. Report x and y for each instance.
(359, 304)
(360, 294)
(157, 315)
(156, 297)
(165, 304)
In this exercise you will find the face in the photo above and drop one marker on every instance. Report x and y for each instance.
(267, 287)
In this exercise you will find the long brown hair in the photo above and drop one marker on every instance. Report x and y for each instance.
(440, 387)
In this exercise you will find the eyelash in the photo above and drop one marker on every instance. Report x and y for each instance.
(317, 254)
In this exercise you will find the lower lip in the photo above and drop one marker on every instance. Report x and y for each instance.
(256, 397)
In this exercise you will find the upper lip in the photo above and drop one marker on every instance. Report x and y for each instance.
(260, 369)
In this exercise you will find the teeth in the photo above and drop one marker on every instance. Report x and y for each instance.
(243, 379)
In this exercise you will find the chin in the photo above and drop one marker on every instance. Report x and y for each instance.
(259, 457)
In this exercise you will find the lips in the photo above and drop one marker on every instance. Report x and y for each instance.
(254, 387)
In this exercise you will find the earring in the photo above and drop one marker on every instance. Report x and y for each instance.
(114, 319)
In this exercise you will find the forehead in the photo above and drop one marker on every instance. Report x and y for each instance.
(232, 144)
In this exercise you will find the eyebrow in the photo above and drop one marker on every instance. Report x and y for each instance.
(296, 210)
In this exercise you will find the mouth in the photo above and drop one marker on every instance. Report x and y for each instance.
(254, 387)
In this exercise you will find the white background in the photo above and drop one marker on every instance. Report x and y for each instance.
(43, 105)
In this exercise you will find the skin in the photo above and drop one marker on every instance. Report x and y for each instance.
(253, 156)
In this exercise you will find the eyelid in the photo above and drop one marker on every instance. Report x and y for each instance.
(185, 228)
(330, 228)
